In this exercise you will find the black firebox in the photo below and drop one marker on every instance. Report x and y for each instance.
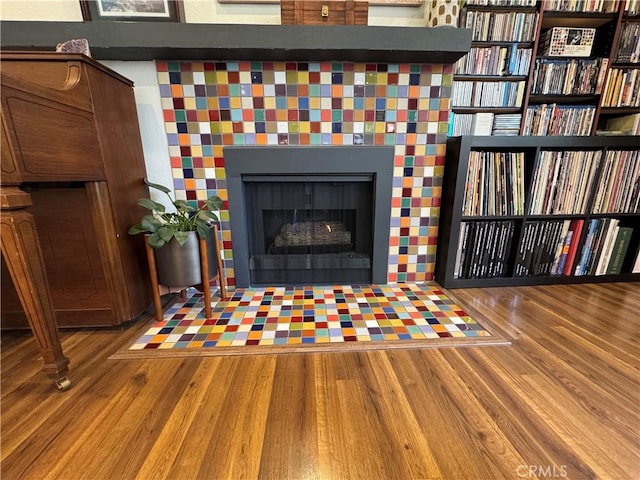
(309, 215)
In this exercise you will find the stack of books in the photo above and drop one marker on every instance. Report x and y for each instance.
(507, 124)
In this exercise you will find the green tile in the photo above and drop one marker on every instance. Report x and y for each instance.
(210, 78)
(234, 90)
(181, 116)
(292, 78)
(370, 78)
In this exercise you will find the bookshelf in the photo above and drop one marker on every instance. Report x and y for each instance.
(490, 82)
(510, 204)
(573, 66)
(620, 104)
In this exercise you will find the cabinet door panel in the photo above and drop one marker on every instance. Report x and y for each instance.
(53, 143)
(70, 249)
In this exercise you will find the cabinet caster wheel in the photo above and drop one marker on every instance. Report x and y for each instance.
(63, 384)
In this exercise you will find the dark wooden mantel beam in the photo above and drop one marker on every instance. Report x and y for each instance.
(188, 41)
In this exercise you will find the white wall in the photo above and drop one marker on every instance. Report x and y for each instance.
(46, 10)
(200, 11)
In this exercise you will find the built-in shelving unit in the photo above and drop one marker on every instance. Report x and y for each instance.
(565, 92)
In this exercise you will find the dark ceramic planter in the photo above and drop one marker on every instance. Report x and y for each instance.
(179, 265)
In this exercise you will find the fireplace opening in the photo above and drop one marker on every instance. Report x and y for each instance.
(302, 215)
(314, 230)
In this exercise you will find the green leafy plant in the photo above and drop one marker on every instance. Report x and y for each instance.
(163, 226)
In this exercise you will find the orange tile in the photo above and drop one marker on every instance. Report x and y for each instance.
(257, 90)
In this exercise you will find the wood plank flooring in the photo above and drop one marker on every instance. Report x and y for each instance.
(563, 401)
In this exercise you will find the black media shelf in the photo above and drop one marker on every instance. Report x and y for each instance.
(448, 253)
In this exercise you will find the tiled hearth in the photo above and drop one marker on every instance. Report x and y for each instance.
(208, 105)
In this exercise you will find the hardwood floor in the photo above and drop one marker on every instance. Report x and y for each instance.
(561, 402)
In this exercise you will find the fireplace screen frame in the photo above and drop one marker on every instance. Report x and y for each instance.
(308, 162)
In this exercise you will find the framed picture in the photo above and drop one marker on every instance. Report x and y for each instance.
(115, 10)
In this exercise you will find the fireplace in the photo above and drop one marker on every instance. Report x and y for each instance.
(309, 215)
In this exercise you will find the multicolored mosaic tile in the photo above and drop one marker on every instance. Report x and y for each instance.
(312, 315)
(208, 105)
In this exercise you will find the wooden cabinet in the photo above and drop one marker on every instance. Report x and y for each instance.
(72, 143)
(324, 12)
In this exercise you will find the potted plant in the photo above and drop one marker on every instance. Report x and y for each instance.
(174, 237)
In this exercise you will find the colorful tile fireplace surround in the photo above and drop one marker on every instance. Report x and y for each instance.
(209, 105)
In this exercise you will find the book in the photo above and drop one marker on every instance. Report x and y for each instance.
(482, 123)
(581, 267)
(462, 243)
(636, 264)
(576, 228)
(607, 249)
(563, 256)
(620, 247)
(625, 125)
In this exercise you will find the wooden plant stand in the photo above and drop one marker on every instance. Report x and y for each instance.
(204, 268)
